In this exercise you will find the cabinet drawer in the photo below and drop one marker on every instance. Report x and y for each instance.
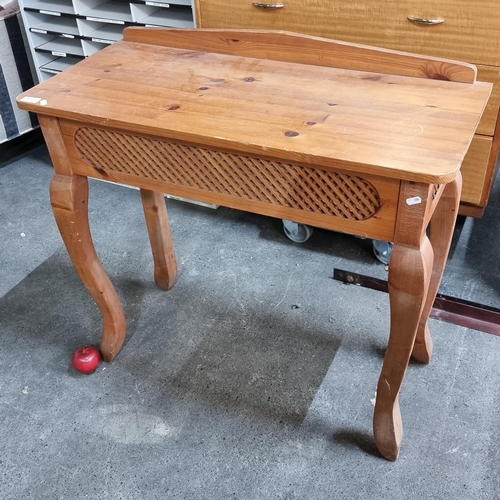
(489, 119)
(469, 31)
(240, 14)
(474, 170)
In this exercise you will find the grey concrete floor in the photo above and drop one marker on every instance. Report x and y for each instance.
(224, 387)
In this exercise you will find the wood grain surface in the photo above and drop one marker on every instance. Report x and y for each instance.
(385, 125)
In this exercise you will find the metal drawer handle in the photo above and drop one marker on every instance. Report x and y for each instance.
(421, 20)
(268, 5)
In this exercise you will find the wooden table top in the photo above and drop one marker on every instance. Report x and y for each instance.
(394, 126)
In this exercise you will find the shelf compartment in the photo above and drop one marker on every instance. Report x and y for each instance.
(109, 12)
(90, 47)
(62, 47)
(65, 26)
(166, 3)
(100, 32)
(142, 11)
(51, 7)
(174, 16)
(59, 64)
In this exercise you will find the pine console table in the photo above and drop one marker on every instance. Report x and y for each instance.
(342, 136)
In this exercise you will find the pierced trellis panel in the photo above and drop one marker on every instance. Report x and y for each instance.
(237, 175)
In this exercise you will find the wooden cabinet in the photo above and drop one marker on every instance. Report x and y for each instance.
(459, 29)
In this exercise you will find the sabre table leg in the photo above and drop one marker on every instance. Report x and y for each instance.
(69, 199)
(409, 278)
(441, 233)
(155, 211)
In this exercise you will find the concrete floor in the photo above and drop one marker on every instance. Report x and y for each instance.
(253, 378)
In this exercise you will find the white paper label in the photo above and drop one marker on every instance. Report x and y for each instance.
(33, 100)
(36, 30)
(59, 54)
(158, 4)
(414, 201)
(65, 35)
(100, 20)
(102, 40)
(50, 13)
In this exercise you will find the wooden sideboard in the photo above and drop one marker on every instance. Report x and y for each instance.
(454, 29)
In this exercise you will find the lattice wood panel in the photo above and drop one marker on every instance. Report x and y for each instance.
(303, 188)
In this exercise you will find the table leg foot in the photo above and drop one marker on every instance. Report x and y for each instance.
(69, 200)
(422, 349)
(388, 428)
(155, 212)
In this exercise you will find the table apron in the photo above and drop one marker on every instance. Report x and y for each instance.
(345, 201)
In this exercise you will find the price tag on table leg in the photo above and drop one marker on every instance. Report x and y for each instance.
(414, 201)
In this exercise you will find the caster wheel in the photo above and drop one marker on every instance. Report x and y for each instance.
(299, 233)
(382, 250)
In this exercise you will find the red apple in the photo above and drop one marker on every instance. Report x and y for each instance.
(86, 359)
